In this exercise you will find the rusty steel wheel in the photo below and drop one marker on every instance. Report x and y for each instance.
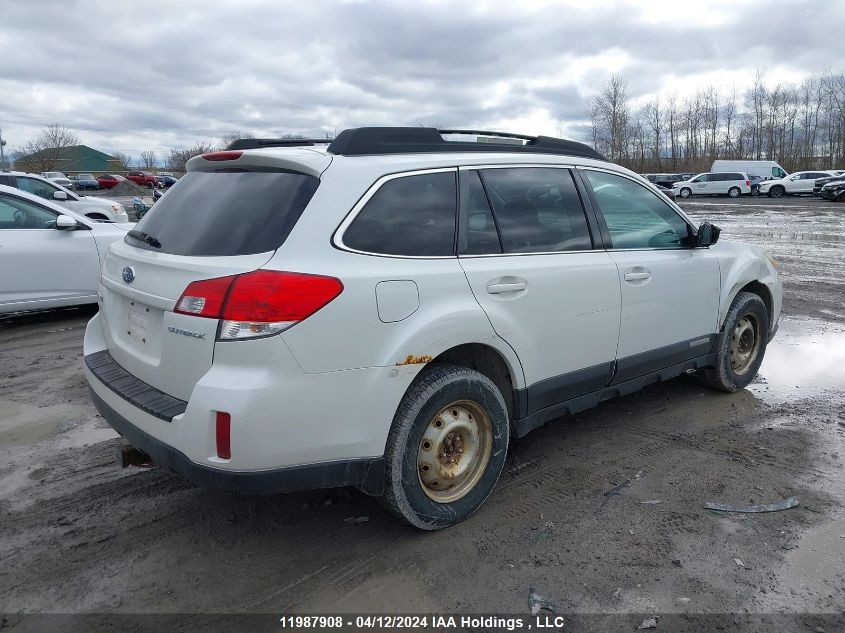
(745, 344)
(454, 451)
(446, 447)
(741, 346)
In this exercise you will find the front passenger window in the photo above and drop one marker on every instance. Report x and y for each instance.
(636, 217)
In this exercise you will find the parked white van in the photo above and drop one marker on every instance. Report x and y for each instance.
(766, 169)
(732, 184)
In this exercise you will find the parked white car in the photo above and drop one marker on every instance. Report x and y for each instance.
(49, 257)
(93, 207)
(57, 177)
(797, 183)
(388, 311)
(733, 184)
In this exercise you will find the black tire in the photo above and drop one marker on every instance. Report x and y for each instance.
(437, 388)
(776, 192)
(840, 197)
(726, 375)
(734, 192)
(685, 192)
(755, 191)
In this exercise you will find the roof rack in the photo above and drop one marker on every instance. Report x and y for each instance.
(257, 143)
(364, 141)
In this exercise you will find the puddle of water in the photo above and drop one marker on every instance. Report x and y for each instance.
(26, 424)
(805, 359)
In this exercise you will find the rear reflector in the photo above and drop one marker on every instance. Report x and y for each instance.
(227, 155)
(260, 303)
(224, 435)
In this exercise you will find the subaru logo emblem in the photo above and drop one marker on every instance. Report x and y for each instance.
(128, 274)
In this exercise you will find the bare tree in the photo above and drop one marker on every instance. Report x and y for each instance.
(149, 160)
(610, 111)
(802, 126)
(654, 116)
(178, 157)
(45, 152)
(228, 139)
(123, 160)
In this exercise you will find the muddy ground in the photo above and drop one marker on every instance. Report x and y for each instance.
(81, 535)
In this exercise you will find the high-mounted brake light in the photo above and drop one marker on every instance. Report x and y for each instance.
(260, 303)
(226, 155)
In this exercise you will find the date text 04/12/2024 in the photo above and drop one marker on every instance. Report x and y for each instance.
(490, 623)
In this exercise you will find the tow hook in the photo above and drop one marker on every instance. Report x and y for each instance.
(131, 456)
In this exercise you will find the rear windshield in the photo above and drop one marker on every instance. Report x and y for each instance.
(225, 213)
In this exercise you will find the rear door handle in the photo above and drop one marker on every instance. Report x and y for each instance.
(501, 288)
(637, 276)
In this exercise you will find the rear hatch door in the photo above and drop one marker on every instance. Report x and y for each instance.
(211, 224)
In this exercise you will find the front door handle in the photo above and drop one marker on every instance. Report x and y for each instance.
(503, 287)
(637, 276)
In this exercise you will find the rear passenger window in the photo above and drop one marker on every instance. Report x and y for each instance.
(480, 228)
(410, 215)
(537, 210)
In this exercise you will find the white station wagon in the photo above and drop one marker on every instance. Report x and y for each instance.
(389, 310)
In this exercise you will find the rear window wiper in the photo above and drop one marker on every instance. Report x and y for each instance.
(144, 237)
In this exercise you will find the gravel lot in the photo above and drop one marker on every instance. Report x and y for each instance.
(82, 535)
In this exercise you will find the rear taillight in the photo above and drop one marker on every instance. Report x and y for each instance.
(259, 303)
(205, 298)
(747, 183)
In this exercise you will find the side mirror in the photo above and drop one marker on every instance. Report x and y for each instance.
(66, 223)
(708, 234)
(59, 195)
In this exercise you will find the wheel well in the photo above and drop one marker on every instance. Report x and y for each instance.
(487, 361)
(761, 291)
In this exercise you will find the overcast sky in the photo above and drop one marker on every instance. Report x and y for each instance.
(130, 76)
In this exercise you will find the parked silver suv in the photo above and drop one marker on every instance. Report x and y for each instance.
(387, 311)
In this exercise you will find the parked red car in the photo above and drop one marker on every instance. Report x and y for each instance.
(107, 181)
(143, 178)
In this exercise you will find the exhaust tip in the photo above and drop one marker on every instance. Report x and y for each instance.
(128, 455)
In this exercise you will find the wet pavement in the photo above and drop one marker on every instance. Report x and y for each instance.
(80, 534)
(806, 359)
(806, 235)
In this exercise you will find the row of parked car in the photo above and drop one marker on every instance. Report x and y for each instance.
(93, 207)
(107, 181)
(827, 183)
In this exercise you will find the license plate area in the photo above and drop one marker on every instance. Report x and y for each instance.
(138, 322)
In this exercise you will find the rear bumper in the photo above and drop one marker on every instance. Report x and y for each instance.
(366, 474)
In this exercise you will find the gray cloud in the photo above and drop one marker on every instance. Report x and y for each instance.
(151, 76)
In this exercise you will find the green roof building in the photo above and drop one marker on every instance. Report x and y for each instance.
(76, 159)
